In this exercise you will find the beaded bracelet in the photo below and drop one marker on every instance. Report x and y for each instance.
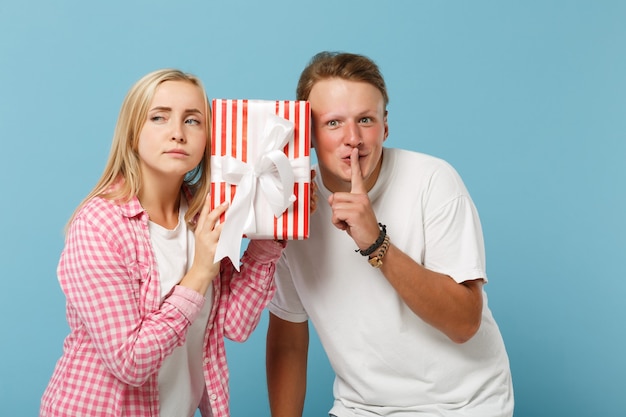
(375, 245)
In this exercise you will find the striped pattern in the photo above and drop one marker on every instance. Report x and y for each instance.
(231, 135)
(120, 332)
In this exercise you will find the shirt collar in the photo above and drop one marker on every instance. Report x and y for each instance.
(133, 208)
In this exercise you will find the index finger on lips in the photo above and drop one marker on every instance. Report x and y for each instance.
(357, 186)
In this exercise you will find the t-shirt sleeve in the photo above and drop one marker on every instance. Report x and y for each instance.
(286, 303)
(453, 233)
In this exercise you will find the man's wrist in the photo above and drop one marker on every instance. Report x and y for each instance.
(377, 260)
(377, 244)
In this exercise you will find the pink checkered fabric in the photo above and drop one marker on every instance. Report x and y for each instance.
(120, 332)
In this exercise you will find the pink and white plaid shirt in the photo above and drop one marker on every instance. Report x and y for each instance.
(121, 332)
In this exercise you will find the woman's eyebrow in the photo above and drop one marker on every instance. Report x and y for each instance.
(165, 108)
(193, 111)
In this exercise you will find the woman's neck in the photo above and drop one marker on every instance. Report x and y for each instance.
(162, 207)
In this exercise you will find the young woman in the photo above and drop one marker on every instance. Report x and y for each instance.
(146, 306)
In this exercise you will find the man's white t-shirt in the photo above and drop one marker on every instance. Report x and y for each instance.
(387, 361)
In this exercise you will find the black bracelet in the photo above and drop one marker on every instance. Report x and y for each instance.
(375, 245)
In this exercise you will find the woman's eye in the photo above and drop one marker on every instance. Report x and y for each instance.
(156, 118)
(192, 121)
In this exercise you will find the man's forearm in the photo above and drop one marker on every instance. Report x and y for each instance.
(286, 361)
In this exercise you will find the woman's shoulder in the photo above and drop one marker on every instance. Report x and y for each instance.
(106, 213)
(97, 207)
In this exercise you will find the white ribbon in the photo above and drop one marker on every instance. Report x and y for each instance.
(272, 171)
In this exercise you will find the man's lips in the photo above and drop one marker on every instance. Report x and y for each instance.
(347, 157)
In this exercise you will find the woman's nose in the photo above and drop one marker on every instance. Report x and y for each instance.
(178, 135)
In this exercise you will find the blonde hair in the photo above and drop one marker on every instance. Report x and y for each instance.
(121, 179)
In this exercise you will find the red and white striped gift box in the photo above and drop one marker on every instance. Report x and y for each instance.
(235, 130)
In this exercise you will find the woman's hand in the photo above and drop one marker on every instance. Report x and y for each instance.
(207, 234)
(313, 200)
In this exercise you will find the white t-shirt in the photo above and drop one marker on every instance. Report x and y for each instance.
(181, 378)
(387, 361)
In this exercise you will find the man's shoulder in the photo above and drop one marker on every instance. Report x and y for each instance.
(413, 159)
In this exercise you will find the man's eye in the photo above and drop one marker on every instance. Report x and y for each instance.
(333, 123)
(365, 120)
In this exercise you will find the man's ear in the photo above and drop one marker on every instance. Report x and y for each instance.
(386, 126)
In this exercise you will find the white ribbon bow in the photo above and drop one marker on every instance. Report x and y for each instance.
(272, 171)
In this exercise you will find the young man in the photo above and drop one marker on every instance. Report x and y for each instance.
(392, 275)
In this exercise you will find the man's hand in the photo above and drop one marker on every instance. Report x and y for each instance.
(353, 211)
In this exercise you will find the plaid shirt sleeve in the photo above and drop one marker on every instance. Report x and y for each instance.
(103, 285)
(240, 297)
(250, 290)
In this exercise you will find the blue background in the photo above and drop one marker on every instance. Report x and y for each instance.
(526, 99)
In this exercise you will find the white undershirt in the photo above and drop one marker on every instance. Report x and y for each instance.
(181, 378)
